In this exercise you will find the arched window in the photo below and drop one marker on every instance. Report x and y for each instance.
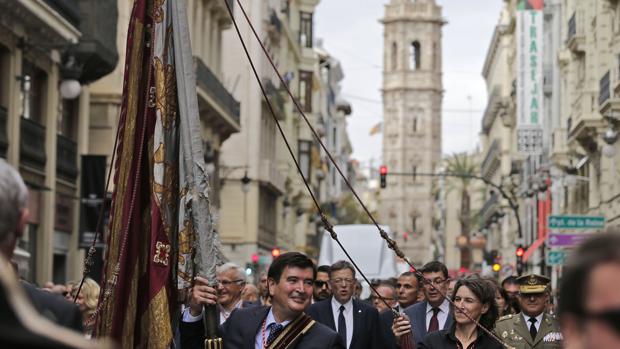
(415, 124)
(394, 56)
(414, 56)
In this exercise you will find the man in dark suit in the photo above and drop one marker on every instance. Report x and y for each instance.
(356, 322)
(407, 288)
(13, 219)
(281, 325)
(434, 313)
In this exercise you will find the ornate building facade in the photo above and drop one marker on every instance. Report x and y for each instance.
(412, 97)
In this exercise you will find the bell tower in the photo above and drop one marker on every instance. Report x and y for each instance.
(412, 97)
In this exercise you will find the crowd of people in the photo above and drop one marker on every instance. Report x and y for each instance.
(296, 304)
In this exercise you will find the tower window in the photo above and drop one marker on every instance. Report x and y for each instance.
(415, 125)
(394, 56)
(414, 55)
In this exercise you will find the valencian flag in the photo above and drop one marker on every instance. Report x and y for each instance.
(160, 208)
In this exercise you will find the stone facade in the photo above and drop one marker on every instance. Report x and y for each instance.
(412, 97)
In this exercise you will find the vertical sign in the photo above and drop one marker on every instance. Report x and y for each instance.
(529, 76)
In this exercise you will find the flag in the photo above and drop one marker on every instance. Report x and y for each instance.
(375, 129)
(159, 183)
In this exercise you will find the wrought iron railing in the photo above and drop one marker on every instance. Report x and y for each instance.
(66, 158)
(491, 156)
(206, 79)
(604, 89)
(32, 144)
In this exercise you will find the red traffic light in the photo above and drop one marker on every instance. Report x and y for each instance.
(254, 258)
(275, 252)
(383, 170)
(520, 251)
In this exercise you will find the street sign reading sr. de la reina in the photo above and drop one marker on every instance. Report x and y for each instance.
(576, 222)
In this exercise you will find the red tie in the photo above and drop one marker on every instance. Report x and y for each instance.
(434, 324)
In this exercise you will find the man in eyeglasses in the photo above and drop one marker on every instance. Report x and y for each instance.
(231, 280)
(356, 322)
(385, 291)
(434, 313)
(532, 327)
(321, 289)
(589, 298)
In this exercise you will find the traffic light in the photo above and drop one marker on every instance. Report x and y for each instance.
(497, 267)
(275, 252)
(519, 253)
(383, 175)
(249, 270)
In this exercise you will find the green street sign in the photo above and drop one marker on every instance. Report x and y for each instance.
(575, 222)
(556, 257)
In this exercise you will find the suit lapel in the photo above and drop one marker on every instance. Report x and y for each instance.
(255, 325)
(357, 322)
(328, 315)
(421, 318)
(448, 322)
(523, 330)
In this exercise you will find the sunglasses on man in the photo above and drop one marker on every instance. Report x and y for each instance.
(320, 284)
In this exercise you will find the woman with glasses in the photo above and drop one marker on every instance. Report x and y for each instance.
(474, 299)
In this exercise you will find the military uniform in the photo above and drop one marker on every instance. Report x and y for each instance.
(513, 329)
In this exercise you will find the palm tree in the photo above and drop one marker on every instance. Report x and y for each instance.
(461, 165)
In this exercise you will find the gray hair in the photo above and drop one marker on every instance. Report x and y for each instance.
(232, 266)
(13, 199)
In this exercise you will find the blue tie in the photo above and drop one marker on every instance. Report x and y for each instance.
(342, 326)
(274, 331)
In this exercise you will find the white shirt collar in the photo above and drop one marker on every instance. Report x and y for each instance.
(444, 307)
(538, 318)
(270, 319)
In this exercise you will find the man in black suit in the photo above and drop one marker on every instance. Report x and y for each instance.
(407, 288)
(434, 313)
(281, 325)
(13, 219)
(356, 322)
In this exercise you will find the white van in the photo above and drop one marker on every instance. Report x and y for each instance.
(363, 242)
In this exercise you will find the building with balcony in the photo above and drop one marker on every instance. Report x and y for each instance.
(274, 209)
(586, 158)
(49, 52)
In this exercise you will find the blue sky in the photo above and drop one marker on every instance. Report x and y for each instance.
(351, 32)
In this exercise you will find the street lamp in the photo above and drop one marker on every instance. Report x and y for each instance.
(245, 183)
(610, 137)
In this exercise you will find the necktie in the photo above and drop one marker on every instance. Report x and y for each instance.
(274, 331)
(533, 330)
(342, 326)
(434, 324)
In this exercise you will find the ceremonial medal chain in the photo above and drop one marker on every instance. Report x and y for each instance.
(264, 340)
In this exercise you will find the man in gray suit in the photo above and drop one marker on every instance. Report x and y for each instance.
(434, 313)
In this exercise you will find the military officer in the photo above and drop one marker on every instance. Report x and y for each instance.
(532, 327)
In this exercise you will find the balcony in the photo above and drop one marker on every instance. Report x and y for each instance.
(491, 206)
(215, 102)
(576, 40)
(491, 161)
(4, 141)
(492, 109)
(269, 175)
(66, 159)
(604, 91)
(275, 98)
(68, 9)
(32, 144)
(547, 79)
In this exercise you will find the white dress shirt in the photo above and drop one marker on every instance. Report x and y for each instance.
(263, 331)
(348, 317)
(442, 315)
(536, 324)
(188, 317)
